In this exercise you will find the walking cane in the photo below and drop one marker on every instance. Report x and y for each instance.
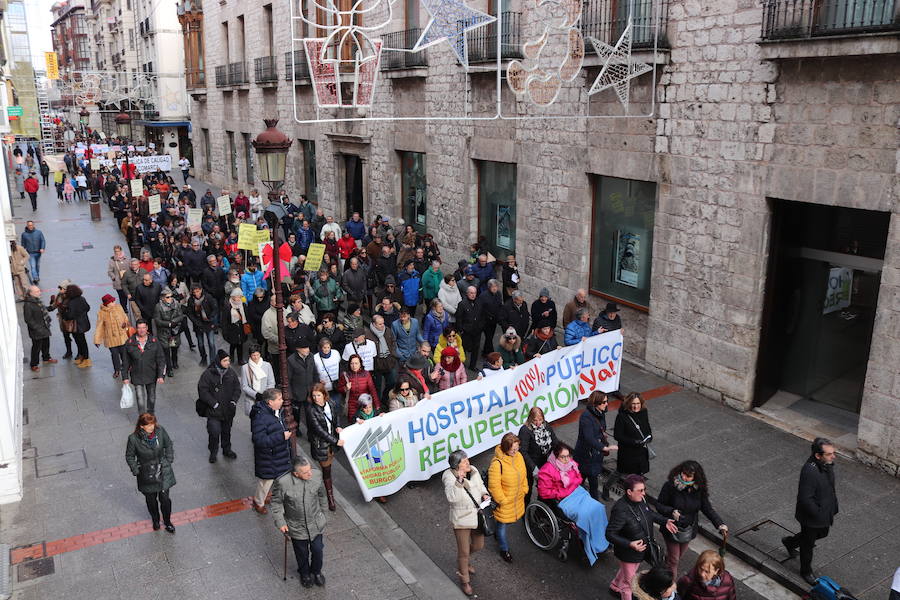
(284, 578)
(724, 543)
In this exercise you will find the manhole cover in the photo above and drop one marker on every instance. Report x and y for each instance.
(766, 536)
(64, 462)
(33, 569)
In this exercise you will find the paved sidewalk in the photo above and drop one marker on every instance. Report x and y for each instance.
(82, 530)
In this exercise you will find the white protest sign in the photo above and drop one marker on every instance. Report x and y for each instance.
(154, 204)
(223, 203)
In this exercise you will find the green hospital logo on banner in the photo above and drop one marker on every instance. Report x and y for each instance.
(379, 457)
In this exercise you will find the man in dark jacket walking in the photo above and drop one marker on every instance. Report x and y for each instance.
(144, 366)
(490, 305)
(515, 314)
(608, 320)
(202, 311)
(146, 296)
(219, 390)
(302, 374)
(38, 321)
(213, 280)
(271, 445)
(468, 319)
(194, 261)
(817, 504)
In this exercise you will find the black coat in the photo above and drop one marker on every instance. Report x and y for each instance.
(516, 316)
(537, 310)
(36, 318)
(302, 375)
(468, 315)
(195, 312)
(531, 451)
(77, 310)
(271, 452)
(147, 297)
(690, 503)
(321, 431)
(817, 501)
(490, 307)
(194, 261)
(633, 457)
(630, 521)
(219, 393)
(254, 313)
(213, 281)
(144, 367)
(591, 441)
(140, 451)
(606, 323)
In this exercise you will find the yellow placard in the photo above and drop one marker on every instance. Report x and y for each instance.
(52, 61)
(247, 237)
(137, 187)
(314, 257)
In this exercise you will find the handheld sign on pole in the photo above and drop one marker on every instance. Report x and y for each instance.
(247, 237)
(195, 217)
(95, 164)
(137, 187)
(154, 203)
(314, 257)
(224, 205)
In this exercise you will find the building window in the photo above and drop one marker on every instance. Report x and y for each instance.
(232, 155)
(311, 184)
(207, 149)
(622, 239)
(248, 157)
(414, 189)
(497, 207)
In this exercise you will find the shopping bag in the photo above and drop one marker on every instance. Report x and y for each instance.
(127, 399)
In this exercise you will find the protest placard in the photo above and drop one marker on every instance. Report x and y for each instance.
(195, 217)
(137, 187)
(247, 237)
(314, 257)
(154, 203)
(95, 164)
(223, 203)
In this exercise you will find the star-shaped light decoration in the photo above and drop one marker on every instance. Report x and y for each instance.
(618, 66)
(450, 20)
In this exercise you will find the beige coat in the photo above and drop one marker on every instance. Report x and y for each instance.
(463, 514)
(112, 326)
(396, 401)
(18, 260)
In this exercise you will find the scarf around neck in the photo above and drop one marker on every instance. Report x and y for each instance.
(382, 343)
(563, 468)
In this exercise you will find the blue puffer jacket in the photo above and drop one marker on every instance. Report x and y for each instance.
(410, 284)
(406, 342)
(577, 330)
(271, 452)
(251, 281)
(434, 327)
(356, 228)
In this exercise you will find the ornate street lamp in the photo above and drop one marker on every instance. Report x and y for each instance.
(83, 117)
(272, 147)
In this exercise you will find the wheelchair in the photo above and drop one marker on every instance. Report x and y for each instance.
(549, 529)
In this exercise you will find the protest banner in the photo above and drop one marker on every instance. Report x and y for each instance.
(412, 444)
(154, 203)
(137, 187)
(223, 203)
(314, 257)
(247, 237)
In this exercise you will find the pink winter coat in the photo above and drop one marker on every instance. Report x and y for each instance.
(442, 377)
(550, 485)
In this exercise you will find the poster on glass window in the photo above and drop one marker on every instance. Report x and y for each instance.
(504, 227)
(627, 257)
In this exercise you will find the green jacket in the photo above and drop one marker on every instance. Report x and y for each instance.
(140, 451)
(431, 283)
(300, 504)
(325, 294)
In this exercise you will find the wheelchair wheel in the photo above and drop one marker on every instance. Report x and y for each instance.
(541, 525)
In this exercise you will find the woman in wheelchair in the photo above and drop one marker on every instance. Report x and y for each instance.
(559, 487)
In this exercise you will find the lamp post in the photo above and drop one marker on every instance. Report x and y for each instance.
(272, 147)
(123, 131)
(83, 117)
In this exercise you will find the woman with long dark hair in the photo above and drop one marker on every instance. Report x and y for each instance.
(632, 431)
(685, 495)
(150, 455)
(323, 419)
(77, 310)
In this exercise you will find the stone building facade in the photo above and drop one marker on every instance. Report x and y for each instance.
(768, 170)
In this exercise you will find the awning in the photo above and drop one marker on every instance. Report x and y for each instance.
(165, 124)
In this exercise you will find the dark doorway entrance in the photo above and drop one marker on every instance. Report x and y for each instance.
(353, 184)
(821, 296)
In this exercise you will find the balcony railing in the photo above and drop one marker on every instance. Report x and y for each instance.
(195, 78)
(482, 42)
(402, 60)
(295, 67)
(221, 75)
(237, 73)
(265, 69)
(605, 20)
(793, 19)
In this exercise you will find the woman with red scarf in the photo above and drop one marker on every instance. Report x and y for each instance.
(450, 372)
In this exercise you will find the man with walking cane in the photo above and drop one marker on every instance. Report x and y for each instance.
(298, 505)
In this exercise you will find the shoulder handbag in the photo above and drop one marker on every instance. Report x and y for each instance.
(150, 473)
(684, 535)
(654, 554)
(650, 453)
(485, 518)
(69, 325)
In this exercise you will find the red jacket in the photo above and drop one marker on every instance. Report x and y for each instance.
(31, 185)
(550, 484)
(361, 383)
(346, 245)
(690, 587)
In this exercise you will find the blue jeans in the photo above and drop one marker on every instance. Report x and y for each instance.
(210, 340)
(34, 263)
(501, 536)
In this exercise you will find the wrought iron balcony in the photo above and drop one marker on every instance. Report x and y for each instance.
(295, 67)
(482, 42)
(237, 73)
(605, 20)
(265, 69)
(797, 19)
(221, 75)
(393, 59)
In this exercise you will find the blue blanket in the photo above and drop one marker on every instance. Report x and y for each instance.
(590, 516)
